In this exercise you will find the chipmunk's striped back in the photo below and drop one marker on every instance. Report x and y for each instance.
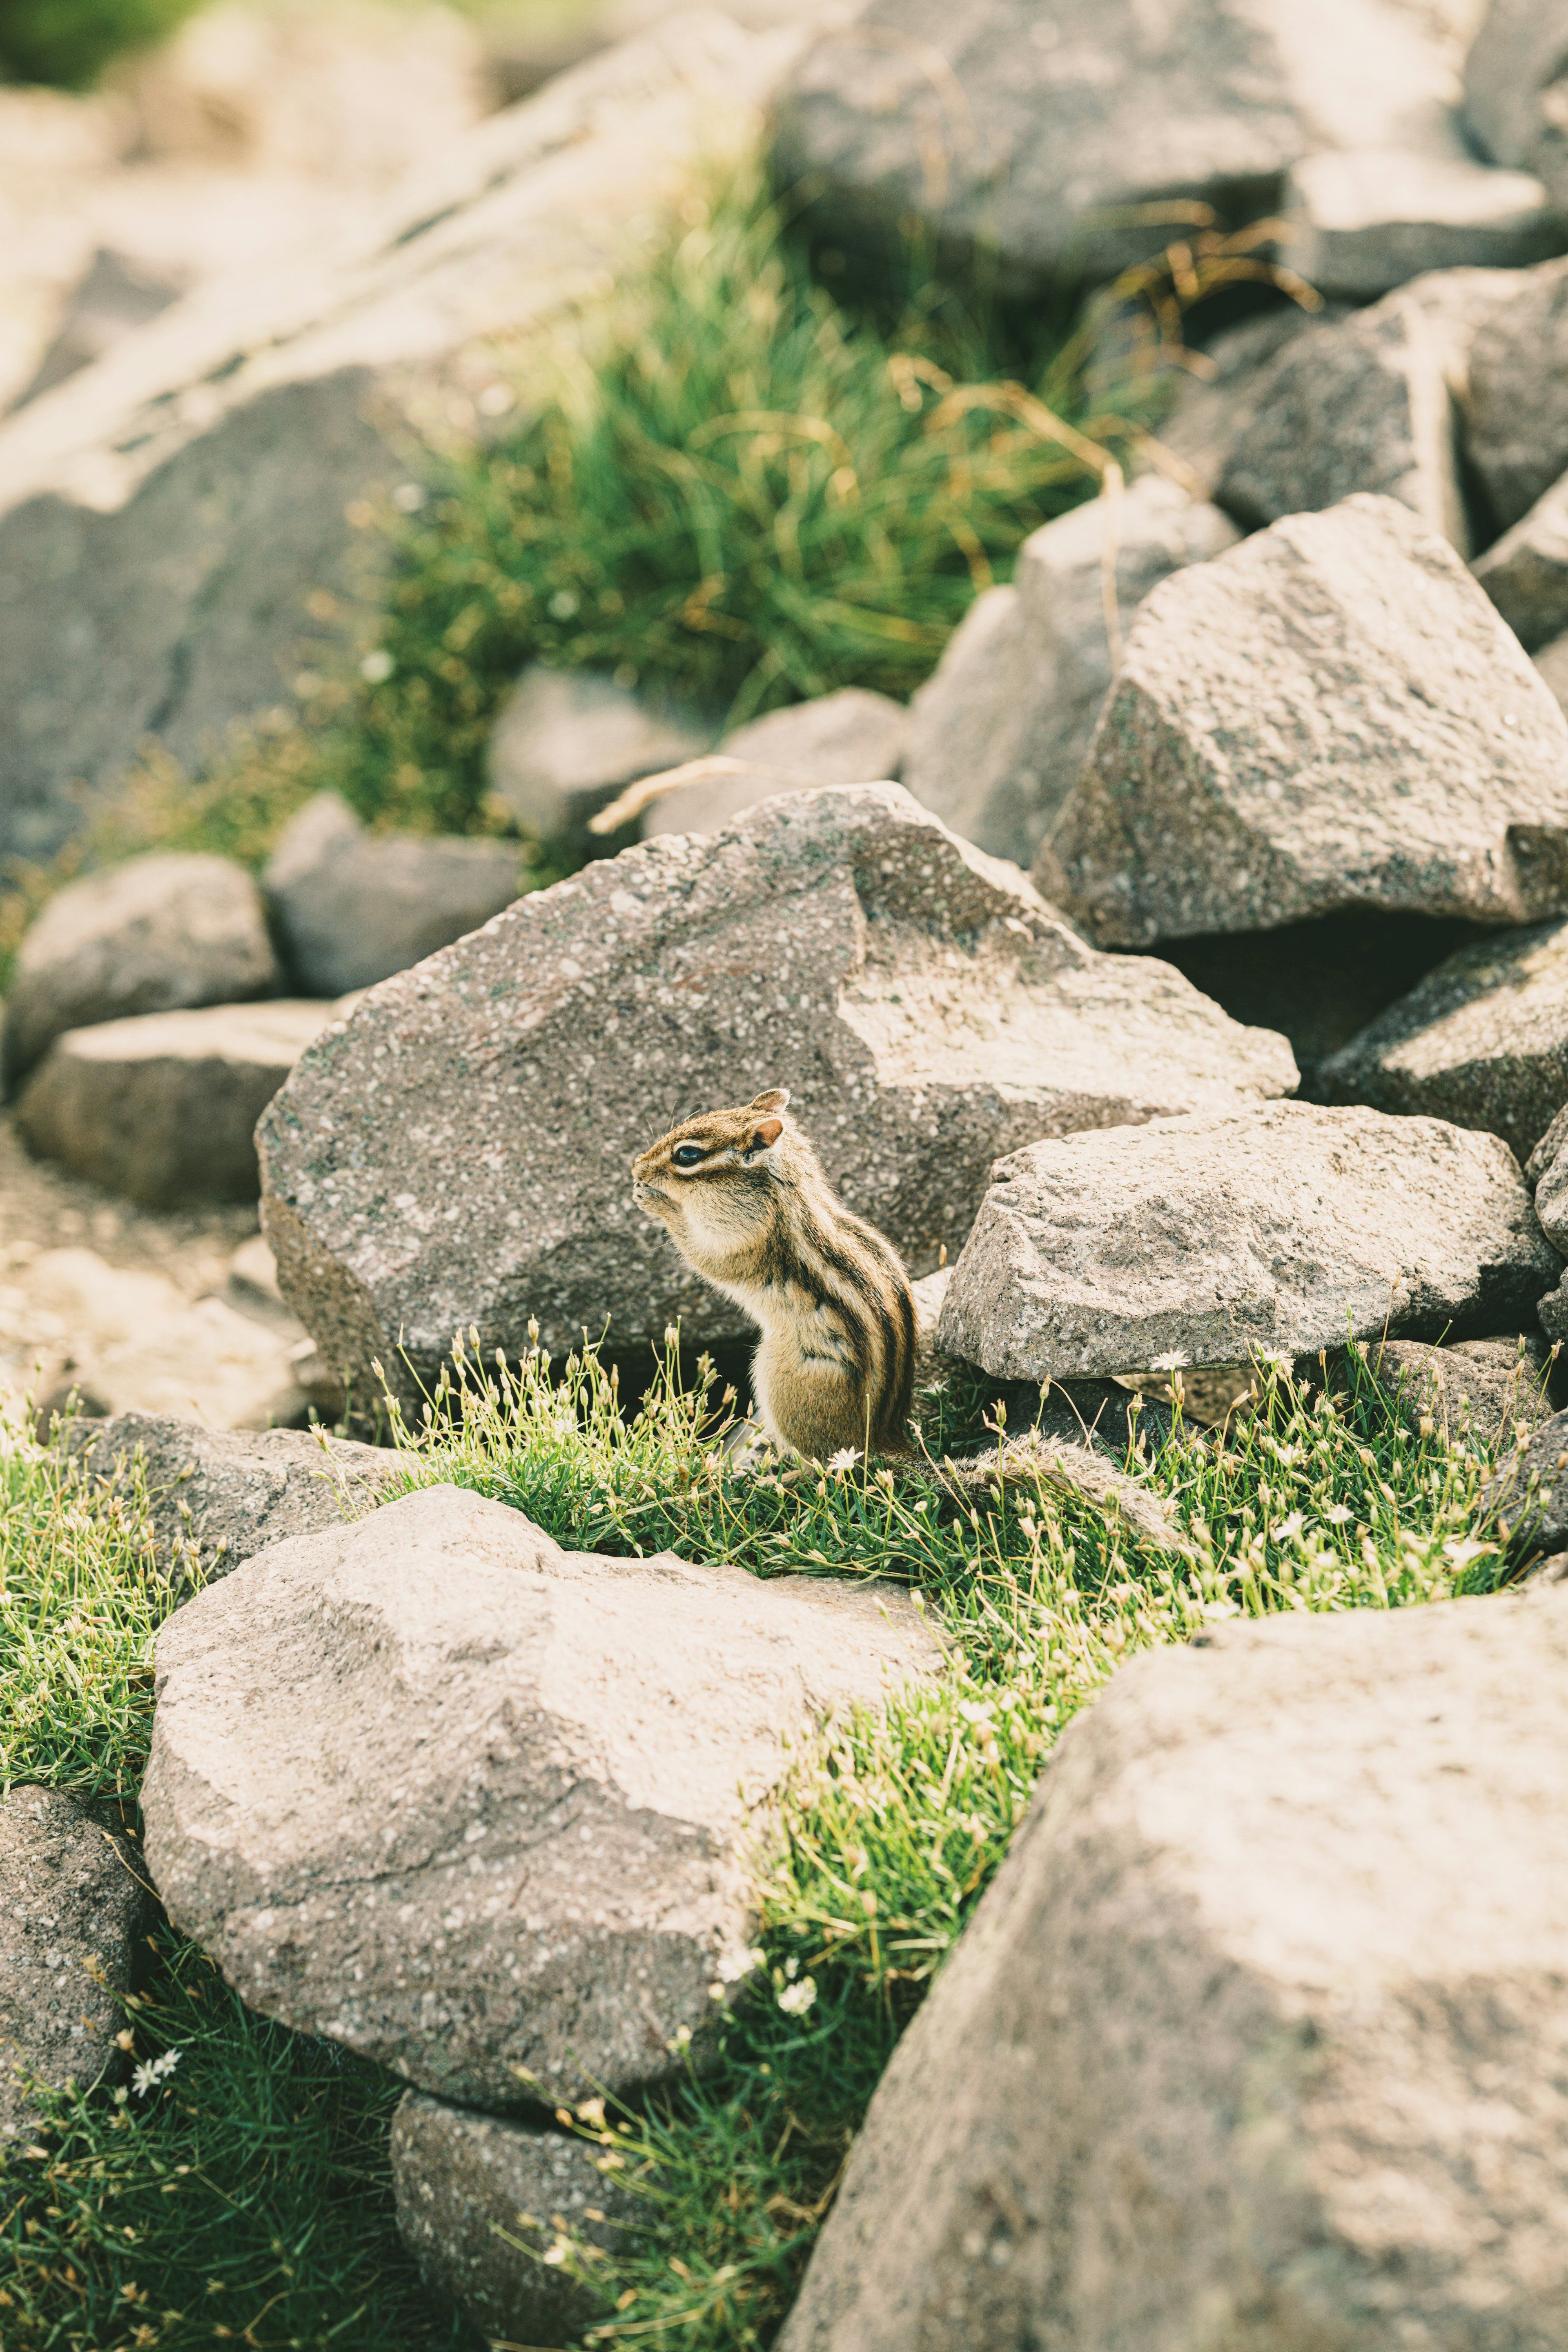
(748, 1206)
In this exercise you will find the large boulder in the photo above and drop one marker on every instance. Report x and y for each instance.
(1515, 78)
(998, 735)
(460, 1155)
(352, 907)
(1077, 141)
(164, 513)
(484, 1808)
(1258, 2039)
(155, 935)
(1276, 1231)
(1482, 1040)
(1330, 715)
(1517, 401)
(71, 1902)
(164, 1108)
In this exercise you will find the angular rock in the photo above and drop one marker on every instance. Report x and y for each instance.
(352, 908)
(853, 737)
(165, 513)
(1478, 1388)
(565, 742)
(1515, 99)
(998, 735)
(155, 935)
(1481, 1042)
(1275, 1231)
(1036, 136)
(1525, 573)
(164, 1108)
(1242, 2047)
(71, 1906)
(1551, 1191)
(1367, 220)
(1330, 715)
(216, 1496)
(1526, 1498)
(484, 1808)
(1516, 406)
(1205, 416)
(927, 1009)
(1547, 1150)
(469, 2187)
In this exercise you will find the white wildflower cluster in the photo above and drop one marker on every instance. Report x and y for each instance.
(153, 2071)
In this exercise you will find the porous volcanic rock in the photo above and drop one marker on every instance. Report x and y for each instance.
(1276, 1232)
(484, 1808)
(352, 908)
(1517, 402)
(998, 735)
(1482, 1040)
(460, 1155)
(1331, 715)
(1257, 2037)
(155, 935)
(478, 2203)
(71, 1903)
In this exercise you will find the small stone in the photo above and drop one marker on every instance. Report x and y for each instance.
(1526, 1496)
(1479, 1389)
(477, 2204)
(1525, 573)
(353, 907)
(486, 1810)
(163, 1108)
(1276, 1232)
(853, 737)
(1369, 219)
(1517, 403)
(155, 935)
(72, 1906)
(567, 742)
(1330, 715)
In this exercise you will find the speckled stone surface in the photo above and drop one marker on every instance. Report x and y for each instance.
(1276, 1231)
(460, 1153)
(1516, 401)
(1333, 715)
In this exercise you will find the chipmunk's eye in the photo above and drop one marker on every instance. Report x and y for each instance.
(687, 1155)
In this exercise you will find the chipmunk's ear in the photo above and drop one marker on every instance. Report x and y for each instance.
(775, 1098)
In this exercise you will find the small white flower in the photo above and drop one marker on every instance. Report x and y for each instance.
(409, 497)
(1177, 1362)
(1338, 1513)
(151, 2072)
(795, 1999)
(845, 1459)
(376, 667)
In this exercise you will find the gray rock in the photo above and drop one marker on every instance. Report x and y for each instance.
(998, 735)
(1477, 1388)
(71, 1904)
(116, 294)
(1514, 99)
(165, 513)
(925, 1007)
(483, 1809)
(353, 907)
(1551, 661)
(1275, 1231)
(1547, 1149)
(1206, 415)
(567, 742)
(853, 737)
(1368, 220)
(1525, 573)
(1222, 2055)
(1517, 407)
(1036, 136)
(216, 1496)
(155, 935)
(1526, 1498)
(164, 1108)
(473, 2192)
(1330, 715)
(1549, 1167)
(1482, 1040)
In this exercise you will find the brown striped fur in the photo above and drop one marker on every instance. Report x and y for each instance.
(747, 1204)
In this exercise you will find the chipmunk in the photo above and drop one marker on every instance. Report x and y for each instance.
(749, 1206)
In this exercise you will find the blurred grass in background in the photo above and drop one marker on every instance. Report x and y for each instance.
(68, 43)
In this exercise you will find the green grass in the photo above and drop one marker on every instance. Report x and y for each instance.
(69, 42)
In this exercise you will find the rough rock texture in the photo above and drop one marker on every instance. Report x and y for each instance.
(1482, 1040)
(71, 1903)
(1479, 1388)
(1330, 715)
(1551, 661)
(1525, 573)
(565, 742)
(1258, 2039)
(155, 935)
(1514, 89)
(1273, 1232)
(1206, 415)
(853, 737)
(925, 1008)
(1368, 220)
(164, 1108)
(1034, 133)
(165, 513)
(1528, 1494)
(218, 1495)
(1517, 407)
(352, 907)
(485, 1809)
(458, 2178)
(998, 735)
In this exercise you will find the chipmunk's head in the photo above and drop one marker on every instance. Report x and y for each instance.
(705, 1172)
